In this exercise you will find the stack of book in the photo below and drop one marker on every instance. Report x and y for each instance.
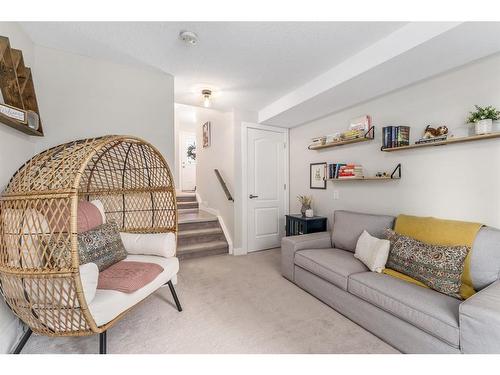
(352, 134)
(362, 123)
(395, 136)
(343, 170)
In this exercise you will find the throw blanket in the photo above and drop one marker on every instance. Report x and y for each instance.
(441, 232)
(128, 276)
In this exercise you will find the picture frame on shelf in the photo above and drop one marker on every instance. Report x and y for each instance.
(317, 175)
(207, 137)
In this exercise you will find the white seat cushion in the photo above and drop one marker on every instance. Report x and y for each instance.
(108, 304)
(160, 244)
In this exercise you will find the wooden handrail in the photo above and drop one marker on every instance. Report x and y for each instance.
(224, 186)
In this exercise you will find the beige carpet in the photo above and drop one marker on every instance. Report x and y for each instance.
(231, 305)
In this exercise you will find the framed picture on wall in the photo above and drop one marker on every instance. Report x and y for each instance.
(206, 134)
(317, 176)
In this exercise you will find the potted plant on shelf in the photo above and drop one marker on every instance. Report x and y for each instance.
(483, 118)
(306, 201)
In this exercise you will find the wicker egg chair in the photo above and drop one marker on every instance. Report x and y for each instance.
(42, 286)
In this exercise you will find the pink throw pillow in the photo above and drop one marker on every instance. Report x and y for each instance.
(88, 217)
(127, 277)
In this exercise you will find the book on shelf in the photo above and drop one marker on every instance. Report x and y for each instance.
(395, 136)
(344, 170)
(362, 123)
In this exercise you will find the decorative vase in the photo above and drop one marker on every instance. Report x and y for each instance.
(304, 208)
(483, 126)
(309, 213)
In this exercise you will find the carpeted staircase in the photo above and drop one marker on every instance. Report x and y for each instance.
(200, 233)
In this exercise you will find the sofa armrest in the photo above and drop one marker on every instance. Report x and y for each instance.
(480, 321)
(290, 245)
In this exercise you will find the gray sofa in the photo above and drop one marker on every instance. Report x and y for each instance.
(410, 318)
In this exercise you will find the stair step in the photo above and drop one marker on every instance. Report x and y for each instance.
(204, 253)
(198, 225)
(203, 246)
(184, 205)
(195, 216)
(186, 198)
(199, 232)
(186, 210)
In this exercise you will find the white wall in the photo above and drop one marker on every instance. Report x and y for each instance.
(82, 97)
(15, 149)
(459, 181)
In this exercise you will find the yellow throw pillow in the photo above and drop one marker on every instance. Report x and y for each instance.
(444, 233)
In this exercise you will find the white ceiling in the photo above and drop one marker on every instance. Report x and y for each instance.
(249, 65)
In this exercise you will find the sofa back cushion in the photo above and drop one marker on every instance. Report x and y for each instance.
(485, 258)
(348, 226)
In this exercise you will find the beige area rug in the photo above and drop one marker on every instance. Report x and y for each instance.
(231, 305)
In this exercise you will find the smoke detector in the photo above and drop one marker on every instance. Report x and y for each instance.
(188, 37)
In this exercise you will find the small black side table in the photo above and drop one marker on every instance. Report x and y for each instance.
(297, 224)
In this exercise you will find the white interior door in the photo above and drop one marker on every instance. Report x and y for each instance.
(266, 178)
(188, 162)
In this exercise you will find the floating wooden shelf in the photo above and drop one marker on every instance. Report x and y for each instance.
(395, 175)
(16, 85)
(19, 126)
(364, 179)
(369, 136)
(447, 142)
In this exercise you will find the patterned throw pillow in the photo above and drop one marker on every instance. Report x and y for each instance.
(438, 267)
(101, 245)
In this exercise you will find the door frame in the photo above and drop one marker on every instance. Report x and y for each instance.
(180, 152)
(244, 169)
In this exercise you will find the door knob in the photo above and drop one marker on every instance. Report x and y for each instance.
(251, 196)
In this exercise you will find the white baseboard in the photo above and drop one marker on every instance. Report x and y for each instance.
(239, 251)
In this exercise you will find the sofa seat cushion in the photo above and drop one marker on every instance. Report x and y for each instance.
(432, 312)
(108, 304)
(333, 265)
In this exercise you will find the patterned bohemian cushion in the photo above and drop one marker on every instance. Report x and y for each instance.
(101, 245)
(128, 276)
(438, 267)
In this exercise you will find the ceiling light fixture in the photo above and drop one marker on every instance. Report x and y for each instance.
(188, 37)
(206, 97)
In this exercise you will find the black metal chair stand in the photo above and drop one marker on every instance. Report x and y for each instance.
(102, 336)
(174, 294)
(103, 342)
(23, 341)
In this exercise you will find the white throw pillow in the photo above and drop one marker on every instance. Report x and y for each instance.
(100, 207)
(160, 244)
(372, 251)
(89, 276)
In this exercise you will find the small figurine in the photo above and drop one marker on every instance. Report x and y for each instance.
(431, 132)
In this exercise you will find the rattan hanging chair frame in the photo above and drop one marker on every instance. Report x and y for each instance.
(39, 262)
